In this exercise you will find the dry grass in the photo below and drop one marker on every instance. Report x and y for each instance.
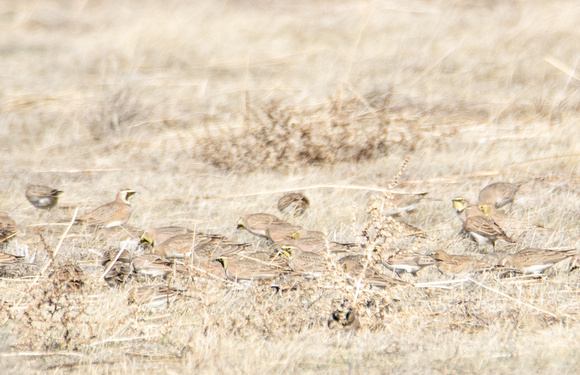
(212, 109)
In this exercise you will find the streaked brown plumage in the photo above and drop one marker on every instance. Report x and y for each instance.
(154, 296)
(449, 264)
(404, 261)
(111, 214)
(198, 244)
(353, 265)
(156, 236)
(344, 319)
(484, 230)
(247, 269)
(155, 266)
(285, 231)
(9, 259)
(119, 271)
(302, 262)
(498, 194)
(293, 203)
(318, 245)
(258, 223)
(42, 197)
(7, 227)
(398, 204)
(535, 261)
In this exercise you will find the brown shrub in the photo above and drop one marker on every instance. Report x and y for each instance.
(277, 136)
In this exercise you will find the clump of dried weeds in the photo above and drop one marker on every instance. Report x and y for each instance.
(277, 136)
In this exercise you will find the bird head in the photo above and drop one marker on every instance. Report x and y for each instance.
(459, 204)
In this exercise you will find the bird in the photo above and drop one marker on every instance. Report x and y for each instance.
(42, 197)
(157, 236)
(343, 318)
(498, 194)
(155, 266)
(9, 259)
(404, 261)
(199, 244)
(353, 266)
(535, 261)
(395, 203)
(483, 229)
(293, 203)
(111, 214)
(277, 232)
(401, 229)
(7, 227)
(302, 262)
(318, 245)
(449, 264)
(218, 247)
(242, 269)
(464, 209)
(491, 211)
(258, 223)
(119, 270)
(154, 297)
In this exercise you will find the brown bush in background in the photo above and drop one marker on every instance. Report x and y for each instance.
(279, 136)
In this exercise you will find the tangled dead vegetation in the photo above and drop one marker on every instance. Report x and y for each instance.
(278, 136)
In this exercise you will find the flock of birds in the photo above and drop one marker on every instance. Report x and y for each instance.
(294, 252)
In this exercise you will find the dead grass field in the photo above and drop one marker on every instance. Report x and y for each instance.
(212, 109)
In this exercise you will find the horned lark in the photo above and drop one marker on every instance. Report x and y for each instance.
(293, 203)
(344, 319)
(535, 261)
(400, 203)
(303, 262)
(285, 231)
(154, 296)
(156, 236)
(449, 264)
(484, 230)
(120, 270)
(218, 247)
(199, 244)
(7, 227)
(353, 265)
(9, 259)
(42, 197)
(111, 214)
(401, 229)
(491, 211)
(464, 209)
(319, 245)
(246, 269)
(410, 262)
(155, 266)
(258, 223)
(498, 194)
